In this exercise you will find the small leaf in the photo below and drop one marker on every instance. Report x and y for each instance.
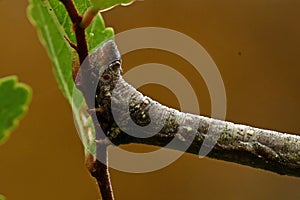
(2, 197)
(96, 33)
(14, 101)
(104, 5)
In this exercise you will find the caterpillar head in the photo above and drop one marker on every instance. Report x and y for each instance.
(106, 62)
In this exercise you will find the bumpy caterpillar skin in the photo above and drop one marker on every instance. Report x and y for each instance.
(127, 116)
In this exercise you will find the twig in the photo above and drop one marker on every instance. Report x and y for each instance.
(99, 170)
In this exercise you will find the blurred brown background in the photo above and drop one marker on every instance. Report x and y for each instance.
(255, 44)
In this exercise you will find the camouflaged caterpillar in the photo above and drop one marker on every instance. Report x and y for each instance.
(237, 143)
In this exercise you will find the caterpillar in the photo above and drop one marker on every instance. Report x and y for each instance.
(127, 116)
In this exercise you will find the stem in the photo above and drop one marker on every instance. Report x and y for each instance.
(88, 16)
(98, 170)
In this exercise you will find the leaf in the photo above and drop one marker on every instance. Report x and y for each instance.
(14, 101)
(2, 197)
(104, 5)
(53, 23)
(96, 33)
(52, 37)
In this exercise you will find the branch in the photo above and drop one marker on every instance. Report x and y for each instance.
(259, 148)
(83, 78)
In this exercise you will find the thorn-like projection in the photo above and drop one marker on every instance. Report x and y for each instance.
(104, 141)
(96, 110)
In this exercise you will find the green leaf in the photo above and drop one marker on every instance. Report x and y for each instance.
(2, 197)
(104, 5)
(53, 23)
(51, 36)
(14, 101)
(96, 33)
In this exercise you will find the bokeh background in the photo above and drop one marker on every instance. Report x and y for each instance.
(255, 44)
